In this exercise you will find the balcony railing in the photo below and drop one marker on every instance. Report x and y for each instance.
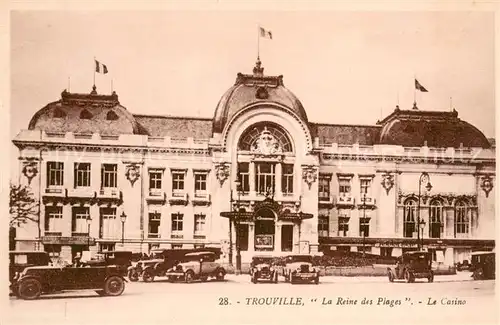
(325, 200)
(345, 200)
(153, 235)
(178, 198)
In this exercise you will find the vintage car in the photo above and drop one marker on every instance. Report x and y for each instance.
(122, 259)
(263, 267)
(483, 265)
(160, 261)
(412, 265)
(300, 268)
(197, 266)
(19, 260)
(37, 280)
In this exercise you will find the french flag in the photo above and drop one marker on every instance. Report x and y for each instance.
(100, 68)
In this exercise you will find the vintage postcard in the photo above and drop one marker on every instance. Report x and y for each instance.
(211, 164)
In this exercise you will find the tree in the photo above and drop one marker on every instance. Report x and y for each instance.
(23, 206)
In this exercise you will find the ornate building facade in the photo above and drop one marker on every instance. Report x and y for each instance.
(109, 179)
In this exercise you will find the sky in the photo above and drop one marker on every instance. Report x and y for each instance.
(345, 67)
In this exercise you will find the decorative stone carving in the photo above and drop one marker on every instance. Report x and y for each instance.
(486, 184)
(309, 174)
(30, 170)
(261, 93)
(266, 144)
(387, 182)
(132, 173)
(222, 172)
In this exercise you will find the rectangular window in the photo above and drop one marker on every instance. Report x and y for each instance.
(344, 186)
(200, 182)
(177, 222)
(154, 224)
(364, 227)
(107, 247)
(178, 181)
(324, 187)
(109, 228)
(343, 222)
(53, 219)
(287, 179)
(109, 175)
(461, 220)
(55, 173)
(264, 178)
(155, 177)
(79, 221)
(82, 175)
(243, 175)
(365, 186)
(199, 224)
(323, 226)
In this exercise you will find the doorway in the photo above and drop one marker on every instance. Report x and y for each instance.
(265, 230)
(287, 238)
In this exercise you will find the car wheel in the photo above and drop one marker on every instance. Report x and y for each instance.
(292, 279)
(431, 277)
(254, 280)
(408, 276)
(478, 274)
(189, 276)
(148, 276)
(276, 278)
(204, 278)
(30, 289)
(316, 281)
(390, 276)
(100, 292)
(220, 275)
(133, 276)
(114, 286)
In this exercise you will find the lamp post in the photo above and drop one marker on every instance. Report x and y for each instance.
(237, 229)
(424, 178)
(89, 221)
(123, 218)
(364, 221)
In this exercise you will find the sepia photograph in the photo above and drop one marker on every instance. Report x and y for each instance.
(251, 167)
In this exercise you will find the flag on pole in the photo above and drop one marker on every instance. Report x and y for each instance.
(265, 33)
(100, 68)
(418, 86)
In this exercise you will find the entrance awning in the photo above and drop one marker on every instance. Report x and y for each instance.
(295, 216)
(250, 216)
(241, 216)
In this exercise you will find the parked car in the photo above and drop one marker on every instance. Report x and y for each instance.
(300, 268)
(19, 260)
(197, 266)
(483, 265)
(411, 266)
(462, 266)
(263, 267)
(122, 259)
(37, 280)
(160, 261)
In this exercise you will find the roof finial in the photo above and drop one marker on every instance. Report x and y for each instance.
(258, 70)
(415, 105)
(94, 90)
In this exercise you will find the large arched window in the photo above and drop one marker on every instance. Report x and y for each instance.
(266, 138)
(435, 219)
(461, 219)
(410, 210)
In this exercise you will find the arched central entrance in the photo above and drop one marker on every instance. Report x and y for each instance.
(265, 227)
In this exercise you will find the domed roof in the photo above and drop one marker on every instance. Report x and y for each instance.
(254, 88)
(415, 128)
(86, 113)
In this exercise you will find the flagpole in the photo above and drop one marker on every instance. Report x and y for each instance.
(258, 42)
(111, 85)
(69, 84)
(414, 90)
(94, 70)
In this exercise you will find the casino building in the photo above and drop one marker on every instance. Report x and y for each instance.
(110, 179)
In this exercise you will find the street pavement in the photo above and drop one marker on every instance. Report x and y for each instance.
(450, 299)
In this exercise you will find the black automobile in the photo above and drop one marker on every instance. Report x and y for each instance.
(37, 280)
(411, 266)
(263, 267)
(121, 259)
(483, 265)
(160, 261)
(19, 260)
